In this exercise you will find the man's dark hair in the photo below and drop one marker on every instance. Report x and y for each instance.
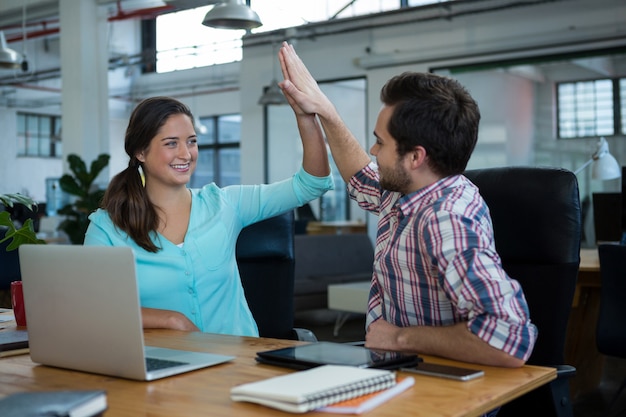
(434, 112)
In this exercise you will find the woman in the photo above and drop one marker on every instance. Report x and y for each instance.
(184, 239)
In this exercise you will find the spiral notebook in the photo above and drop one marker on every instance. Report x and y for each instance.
(308, 390)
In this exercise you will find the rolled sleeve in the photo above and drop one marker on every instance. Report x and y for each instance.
(308, 187)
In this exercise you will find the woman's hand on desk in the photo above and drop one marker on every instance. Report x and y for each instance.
(154, 318)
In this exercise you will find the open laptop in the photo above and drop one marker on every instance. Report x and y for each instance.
(83, 313)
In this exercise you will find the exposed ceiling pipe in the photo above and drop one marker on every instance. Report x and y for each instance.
(37, 87)
(148, 13)
(34, 34)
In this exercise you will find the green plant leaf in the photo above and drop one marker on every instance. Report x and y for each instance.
(98, 164)
(77, 212)
(5, 220)
(25, 234)
(9, 200)
(70, 186)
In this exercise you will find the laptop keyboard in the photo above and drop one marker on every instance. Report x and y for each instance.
(154, 364)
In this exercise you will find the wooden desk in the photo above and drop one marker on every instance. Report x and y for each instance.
(206, 392)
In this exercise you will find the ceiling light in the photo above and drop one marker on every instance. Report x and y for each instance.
(232, 14)
(8, 57)
(273, 95)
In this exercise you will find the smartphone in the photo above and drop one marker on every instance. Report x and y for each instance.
(445, 371)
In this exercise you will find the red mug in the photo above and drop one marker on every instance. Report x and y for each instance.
(17, 301)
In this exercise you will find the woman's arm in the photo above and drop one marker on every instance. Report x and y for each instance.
(315, 156)
(154, 318)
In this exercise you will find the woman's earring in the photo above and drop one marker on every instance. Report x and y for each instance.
(142, 175)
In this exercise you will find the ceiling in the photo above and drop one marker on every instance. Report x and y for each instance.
(42, 21)
(11, 11)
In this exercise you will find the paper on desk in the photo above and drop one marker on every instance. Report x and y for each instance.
(6, 315)
(360, 405)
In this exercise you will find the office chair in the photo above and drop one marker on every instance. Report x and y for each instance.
(537, 228)
(610, 331)
(265, 257)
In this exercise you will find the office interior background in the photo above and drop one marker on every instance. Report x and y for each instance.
(549, 77)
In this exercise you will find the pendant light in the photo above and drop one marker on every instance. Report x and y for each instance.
(9, 59)
(232, 14)
(273, 95)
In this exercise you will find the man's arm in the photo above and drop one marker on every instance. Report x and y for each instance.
(306, 98)
(453, 342)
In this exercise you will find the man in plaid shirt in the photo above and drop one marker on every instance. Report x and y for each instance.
(438, 286)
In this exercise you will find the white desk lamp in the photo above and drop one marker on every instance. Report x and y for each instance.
(605, 166)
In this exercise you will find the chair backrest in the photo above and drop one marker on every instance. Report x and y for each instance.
(537, 228)
(610, 331)
(265, 256)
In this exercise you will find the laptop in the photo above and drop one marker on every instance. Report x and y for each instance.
(83, 313)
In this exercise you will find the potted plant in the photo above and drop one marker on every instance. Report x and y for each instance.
(17, 234)
(12, 235)
(87, 198)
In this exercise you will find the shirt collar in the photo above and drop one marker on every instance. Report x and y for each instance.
(410, 202)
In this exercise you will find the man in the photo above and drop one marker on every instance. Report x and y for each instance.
(438, 286)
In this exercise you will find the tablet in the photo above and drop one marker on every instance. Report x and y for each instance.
(330, 353)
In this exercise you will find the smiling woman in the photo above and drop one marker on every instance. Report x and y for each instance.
(172, 227)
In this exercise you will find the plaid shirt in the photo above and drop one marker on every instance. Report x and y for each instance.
(436, 264)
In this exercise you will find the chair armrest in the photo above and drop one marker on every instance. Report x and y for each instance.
(304, 335)
(565, 371)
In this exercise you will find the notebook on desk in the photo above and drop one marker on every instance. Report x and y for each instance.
(83, 313)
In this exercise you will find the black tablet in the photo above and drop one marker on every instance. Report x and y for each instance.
(330, 353)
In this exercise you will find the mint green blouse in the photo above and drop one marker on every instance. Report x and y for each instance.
(201, 279)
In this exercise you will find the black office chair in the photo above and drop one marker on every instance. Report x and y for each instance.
(610, 331)
(265, 256)
(537, 226)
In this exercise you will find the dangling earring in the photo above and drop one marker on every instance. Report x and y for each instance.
(142, 175)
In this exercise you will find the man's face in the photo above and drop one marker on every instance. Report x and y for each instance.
(394, 176)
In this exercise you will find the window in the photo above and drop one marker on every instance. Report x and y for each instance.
(284, 148)
(218, 151)
(196, 45)
(182, 42)
(588, 108)
(39, 135)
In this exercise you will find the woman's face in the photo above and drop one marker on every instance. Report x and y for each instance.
(171, 157)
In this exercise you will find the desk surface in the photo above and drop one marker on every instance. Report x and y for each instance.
(589, 260)
(206, 392)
